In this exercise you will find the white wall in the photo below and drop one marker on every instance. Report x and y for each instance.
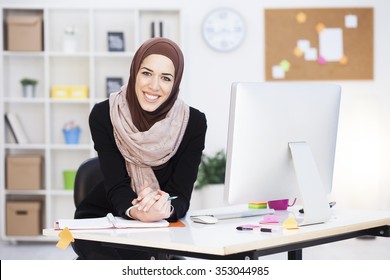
(363, 153)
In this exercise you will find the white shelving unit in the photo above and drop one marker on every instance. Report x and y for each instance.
(42, 116)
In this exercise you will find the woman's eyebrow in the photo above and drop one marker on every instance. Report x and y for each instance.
(150, 70)
(147, 69)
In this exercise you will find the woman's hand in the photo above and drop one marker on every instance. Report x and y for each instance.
(146, 198)
(152, 205)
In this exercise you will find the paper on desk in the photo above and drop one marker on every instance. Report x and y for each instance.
(106, 222)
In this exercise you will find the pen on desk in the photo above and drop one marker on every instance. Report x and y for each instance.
(244, 228)
(247, 227)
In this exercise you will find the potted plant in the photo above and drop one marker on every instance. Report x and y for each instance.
(211, 170)
(28, 87)
(209, 184)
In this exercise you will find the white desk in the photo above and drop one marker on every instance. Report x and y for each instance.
(223, 241)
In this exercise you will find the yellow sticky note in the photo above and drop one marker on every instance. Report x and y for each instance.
(290, 223)
(301, 17)
(66, 238)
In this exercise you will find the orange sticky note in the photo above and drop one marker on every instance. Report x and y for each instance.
(319, 27)
(66, 238)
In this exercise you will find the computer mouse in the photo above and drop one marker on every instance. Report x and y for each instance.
(204, 219)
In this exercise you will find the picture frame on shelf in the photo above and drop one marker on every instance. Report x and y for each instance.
(113, 84)
(116, 41)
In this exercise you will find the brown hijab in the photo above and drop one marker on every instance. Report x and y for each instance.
(142, 119)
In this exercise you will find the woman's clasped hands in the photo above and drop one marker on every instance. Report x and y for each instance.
(151, 205)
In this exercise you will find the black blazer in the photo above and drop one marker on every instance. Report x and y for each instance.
(115, 194)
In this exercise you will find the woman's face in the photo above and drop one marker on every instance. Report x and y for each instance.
(154, 81)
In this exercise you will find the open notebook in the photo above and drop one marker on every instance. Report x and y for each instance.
(106, 222)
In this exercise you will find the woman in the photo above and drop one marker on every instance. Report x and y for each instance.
(149, 145)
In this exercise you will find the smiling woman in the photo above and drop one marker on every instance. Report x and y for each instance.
(149, 144)
(154, 81)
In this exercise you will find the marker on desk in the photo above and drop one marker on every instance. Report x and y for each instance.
(244, 228)
(247, 227)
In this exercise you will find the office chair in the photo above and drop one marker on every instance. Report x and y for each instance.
(88, 175)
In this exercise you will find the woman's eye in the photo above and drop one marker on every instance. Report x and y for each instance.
(146, 73)
(167, 79)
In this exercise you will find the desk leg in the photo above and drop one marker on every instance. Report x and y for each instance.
(295, 255)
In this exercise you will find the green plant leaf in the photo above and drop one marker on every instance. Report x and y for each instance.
(211, 170)
(27, 81)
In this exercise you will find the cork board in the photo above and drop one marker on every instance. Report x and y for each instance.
(319, 44)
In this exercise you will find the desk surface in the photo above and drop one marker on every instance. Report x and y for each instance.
(222, 238)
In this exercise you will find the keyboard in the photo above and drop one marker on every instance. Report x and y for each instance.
(232, 213)
(243, 214)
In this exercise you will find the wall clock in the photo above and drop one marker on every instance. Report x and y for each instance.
(223, 29)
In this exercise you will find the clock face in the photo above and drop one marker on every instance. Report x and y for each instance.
(223, 29)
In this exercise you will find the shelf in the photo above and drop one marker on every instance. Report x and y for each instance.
(75, 53)
(25, 192)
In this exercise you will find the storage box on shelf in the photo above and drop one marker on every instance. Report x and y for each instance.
(76, 92)
(24, 172)
(71, 64)
(23, 218)
(24, 32)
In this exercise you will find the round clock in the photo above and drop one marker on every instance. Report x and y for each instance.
(223, 29)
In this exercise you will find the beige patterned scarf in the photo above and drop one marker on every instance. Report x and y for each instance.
(145, 150)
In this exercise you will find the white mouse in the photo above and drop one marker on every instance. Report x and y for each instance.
(204, 219)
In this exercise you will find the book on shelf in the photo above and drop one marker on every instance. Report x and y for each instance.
(15, 126)
(107, 222)
(157, 29)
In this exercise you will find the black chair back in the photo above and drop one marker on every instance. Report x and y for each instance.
(88, 175)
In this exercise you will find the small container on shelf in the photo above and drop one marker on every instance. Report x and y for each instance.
(60, 92)
(78, 92)
(71, 133)
(69, 92)
(70, 40)
(28, 86)
(69, 178)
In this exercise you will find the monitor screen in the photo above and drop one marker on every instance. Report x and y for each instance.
(265, 118)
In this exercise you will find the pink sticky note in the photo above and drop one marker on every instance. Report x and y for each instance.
(321, 60)
(270, 219)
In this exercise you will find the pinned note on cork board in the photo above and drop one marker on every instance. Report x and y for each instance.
(319, 44)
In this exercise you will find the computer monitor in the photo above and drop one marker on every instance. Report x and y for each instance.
(281, 144)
